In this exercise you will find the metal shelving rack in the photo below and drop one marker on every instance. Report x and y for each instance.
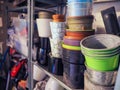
(58, 78)
(30, 9)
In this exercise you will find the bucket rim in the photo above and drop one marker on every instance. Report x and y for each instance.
(87, 48)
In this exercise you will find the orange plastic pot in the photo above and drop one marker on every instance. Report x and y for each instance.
(81, 34)
(73, 37)
(58, 16)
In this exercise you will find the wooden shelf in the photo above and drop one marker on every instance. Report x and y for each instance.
(59, 79)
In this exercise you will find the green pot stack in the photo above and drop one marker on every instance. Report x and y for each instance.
(101, 53)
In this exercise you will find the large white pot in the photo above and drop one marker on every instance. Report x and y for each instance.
(44, 27)
(38, 74)
(53, 85)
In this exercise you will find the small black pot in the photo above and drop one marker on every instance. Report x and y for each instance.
(45, 43)
(43, 57)
(55, 65)
(75, 57)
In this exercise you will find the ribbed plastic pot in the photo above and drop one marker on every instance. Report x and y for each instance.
(101, 51)
(82, 33)
(71, 56)
(102, 63)
(106, 78)
(100, 43)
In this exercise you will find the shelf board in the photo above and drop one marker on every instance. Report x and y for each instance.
(24, 9)
(41, 3)
(58, 78)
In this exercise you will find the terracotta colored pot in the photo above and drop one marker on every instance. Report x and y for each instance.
(78, 26)
(80, 33)
(78, 36)
(58, 16)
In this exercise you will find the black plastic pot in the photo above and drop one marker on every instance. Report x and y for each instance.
(75, 57)
(74, 75)
(55, 65)
(45, 44)
(43, 57)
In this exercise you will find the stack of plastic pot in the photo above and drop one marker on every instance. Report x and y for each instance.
(43, 24)
(79, 22)
(101, 58)
(57, 32)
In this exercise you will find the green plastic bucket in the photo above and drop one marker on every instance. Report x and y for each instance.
(103, 54)
(100, 43)
(102, 63)
(101, 51)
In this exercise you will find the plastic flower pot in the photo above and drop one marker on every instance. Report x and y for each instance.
(101, 51)
(100, 43)
(56, 47)
(80, 5)
(45, 14)
(73, 37)
(80, 33)
(89, 85)
(74, 75)
(75, 57)
(69, 47)
(71, 42)
(55, 65)
(106, 78)
(44, 31)
(102, 63)
(57, 30)
(80, 19)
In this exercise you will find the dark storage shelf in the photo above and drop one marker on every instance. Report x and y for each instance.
(24, 9)
(58, 78)
(42, 3)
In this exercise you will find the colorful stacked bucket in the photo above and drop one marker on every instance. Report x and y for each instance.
(57, 33)
(101, 58)
(44, 32)
(79, 23)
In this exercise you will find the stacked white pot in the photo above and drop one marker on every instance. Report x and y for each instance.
(44, 31)
(79, 7)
